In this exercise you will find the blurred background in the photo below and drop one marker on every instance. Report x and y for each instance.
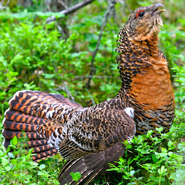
(68, 47)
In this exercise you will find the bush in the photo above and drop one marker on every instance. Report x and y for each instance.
(37, 56)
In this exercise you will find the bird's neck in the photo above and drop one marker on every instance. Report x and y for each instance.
(144, 74)
(137, 58)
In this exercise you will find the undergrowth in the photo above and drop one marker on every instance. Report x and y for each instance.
(37, 56)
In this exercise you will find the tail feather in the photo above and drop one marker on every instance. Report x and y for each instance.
(6, 142)
(37, 142)
(39, 149)
(22, 120)
(9, 134)
(91, 165)
(45, 97)
(43, 155)
(11, 125)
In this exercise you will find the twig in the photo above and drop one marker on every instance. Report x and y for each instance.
(92, 71)
(1, 4)
(70, 10)
(92, 99)
(65, 88)
(63, 4)
(100, 77)
(60, 29)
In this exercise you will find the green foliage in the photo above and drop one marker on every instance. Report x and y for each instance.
(75, 176)
(17, 167)
(152, 160)
(37, 56)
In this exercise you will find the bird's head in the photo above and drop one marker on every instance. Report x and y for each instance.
(144, 23)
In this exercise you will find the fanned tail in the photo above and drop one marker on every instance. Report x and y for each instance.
(20, 121)
(91, 165)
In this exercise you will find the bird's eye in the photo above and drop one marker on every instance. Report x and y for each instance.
(140, 13)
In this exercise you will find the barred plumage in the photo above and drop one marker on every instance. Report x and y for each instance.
(90, 137)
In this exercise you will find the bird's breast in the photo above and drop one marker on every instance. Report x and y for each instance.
(152, 88)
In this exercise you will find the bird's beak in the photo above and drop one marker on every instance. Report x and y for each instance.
(158, 9)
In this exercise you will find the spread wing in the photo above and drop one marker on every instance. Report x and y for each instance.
(91, 131)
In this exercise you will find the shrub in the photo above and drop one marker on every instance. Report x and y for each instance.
(36, 56)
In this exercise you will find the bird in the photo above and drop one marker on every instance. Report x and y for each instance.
(91, 137)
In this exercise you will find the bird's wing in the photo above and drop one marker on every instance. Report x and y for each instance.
(90, 165)
(86, 130)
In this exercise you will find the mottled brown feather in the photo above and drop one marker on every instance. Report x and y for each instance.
(90, 137)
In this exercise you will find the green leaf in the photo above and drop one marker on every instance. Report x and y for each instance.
(154, 158)
(4, 161)
(7, 168)
(11, 74)
(170, 143)
(75, 176)
(42, 166)
(129, 146)
(159, 129)
(132, 172)
(162, 170)
(48, 76)
(14, 140)
(10, 155)
(1, 153)
(17, 57)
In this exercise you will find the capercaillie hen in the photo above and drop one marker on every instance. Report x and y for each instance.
(90, 138)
